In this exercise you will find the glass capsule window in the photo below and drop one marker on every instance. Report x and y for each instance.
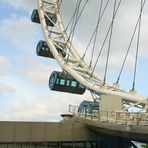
(62, 81)
(68, 83)
(89, 107)
(35, 13)
(44, 46)
(57, 81)
(52, 80)
(81, 86)
(73, 83)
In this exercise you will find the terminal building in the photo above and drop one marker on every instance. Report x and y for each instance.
(68, 133)
(53, 135)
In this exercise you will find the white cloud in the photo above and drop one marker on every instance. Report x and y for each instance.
(31, 99)
(47, 107)
(23, 4)
(6, 88)
(39, 72)
(4, 64)
(36, 69)
(19, 30)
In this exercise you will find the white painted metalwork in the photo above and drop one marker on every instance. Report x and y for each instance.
(74, 65)
(116, 117)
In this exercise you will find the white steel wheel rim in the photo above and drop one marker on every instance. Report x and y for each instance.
(78, 68)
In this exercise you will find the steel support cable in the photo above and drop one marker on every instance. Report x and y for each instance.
(95, 97)
(136, 58)
(137, 50)
(95, 30)
(79, 16)
(92, 96)
(109, 46)
(70, 20)
(96, 33)
(74, 19)
(129, 45)
(73, 27)
(105, 40)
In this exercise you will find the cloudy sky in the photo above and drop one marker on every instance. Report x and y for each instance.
(24, 92)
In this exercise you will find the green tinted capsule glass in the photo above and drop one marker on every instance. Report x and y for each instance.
(62, 82)
(68, 83)
(57, 81)
(73, 83)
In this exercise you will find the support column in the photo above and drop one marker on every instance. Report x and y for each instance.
(110, 103)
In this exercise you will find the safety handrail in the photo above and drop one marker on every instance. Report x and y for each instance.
(119, 117)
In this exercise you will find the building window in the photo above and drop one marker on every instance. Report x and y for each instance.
(66, 145)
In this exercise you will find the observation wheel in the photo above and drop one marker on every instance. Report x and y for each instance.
(59, 40)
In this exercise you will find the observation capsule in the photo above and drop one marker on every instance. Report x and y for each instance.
(43, 50)
(50, 20)
(88, 107)
(59, 81)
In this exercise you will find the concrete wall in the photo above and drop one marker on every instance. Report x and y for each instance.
(39, 131)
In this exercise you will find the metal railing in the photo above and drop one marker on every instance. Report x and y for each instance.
(127, 118)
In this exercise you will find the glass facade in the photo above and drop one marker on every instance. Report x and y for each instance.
(87, 144)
